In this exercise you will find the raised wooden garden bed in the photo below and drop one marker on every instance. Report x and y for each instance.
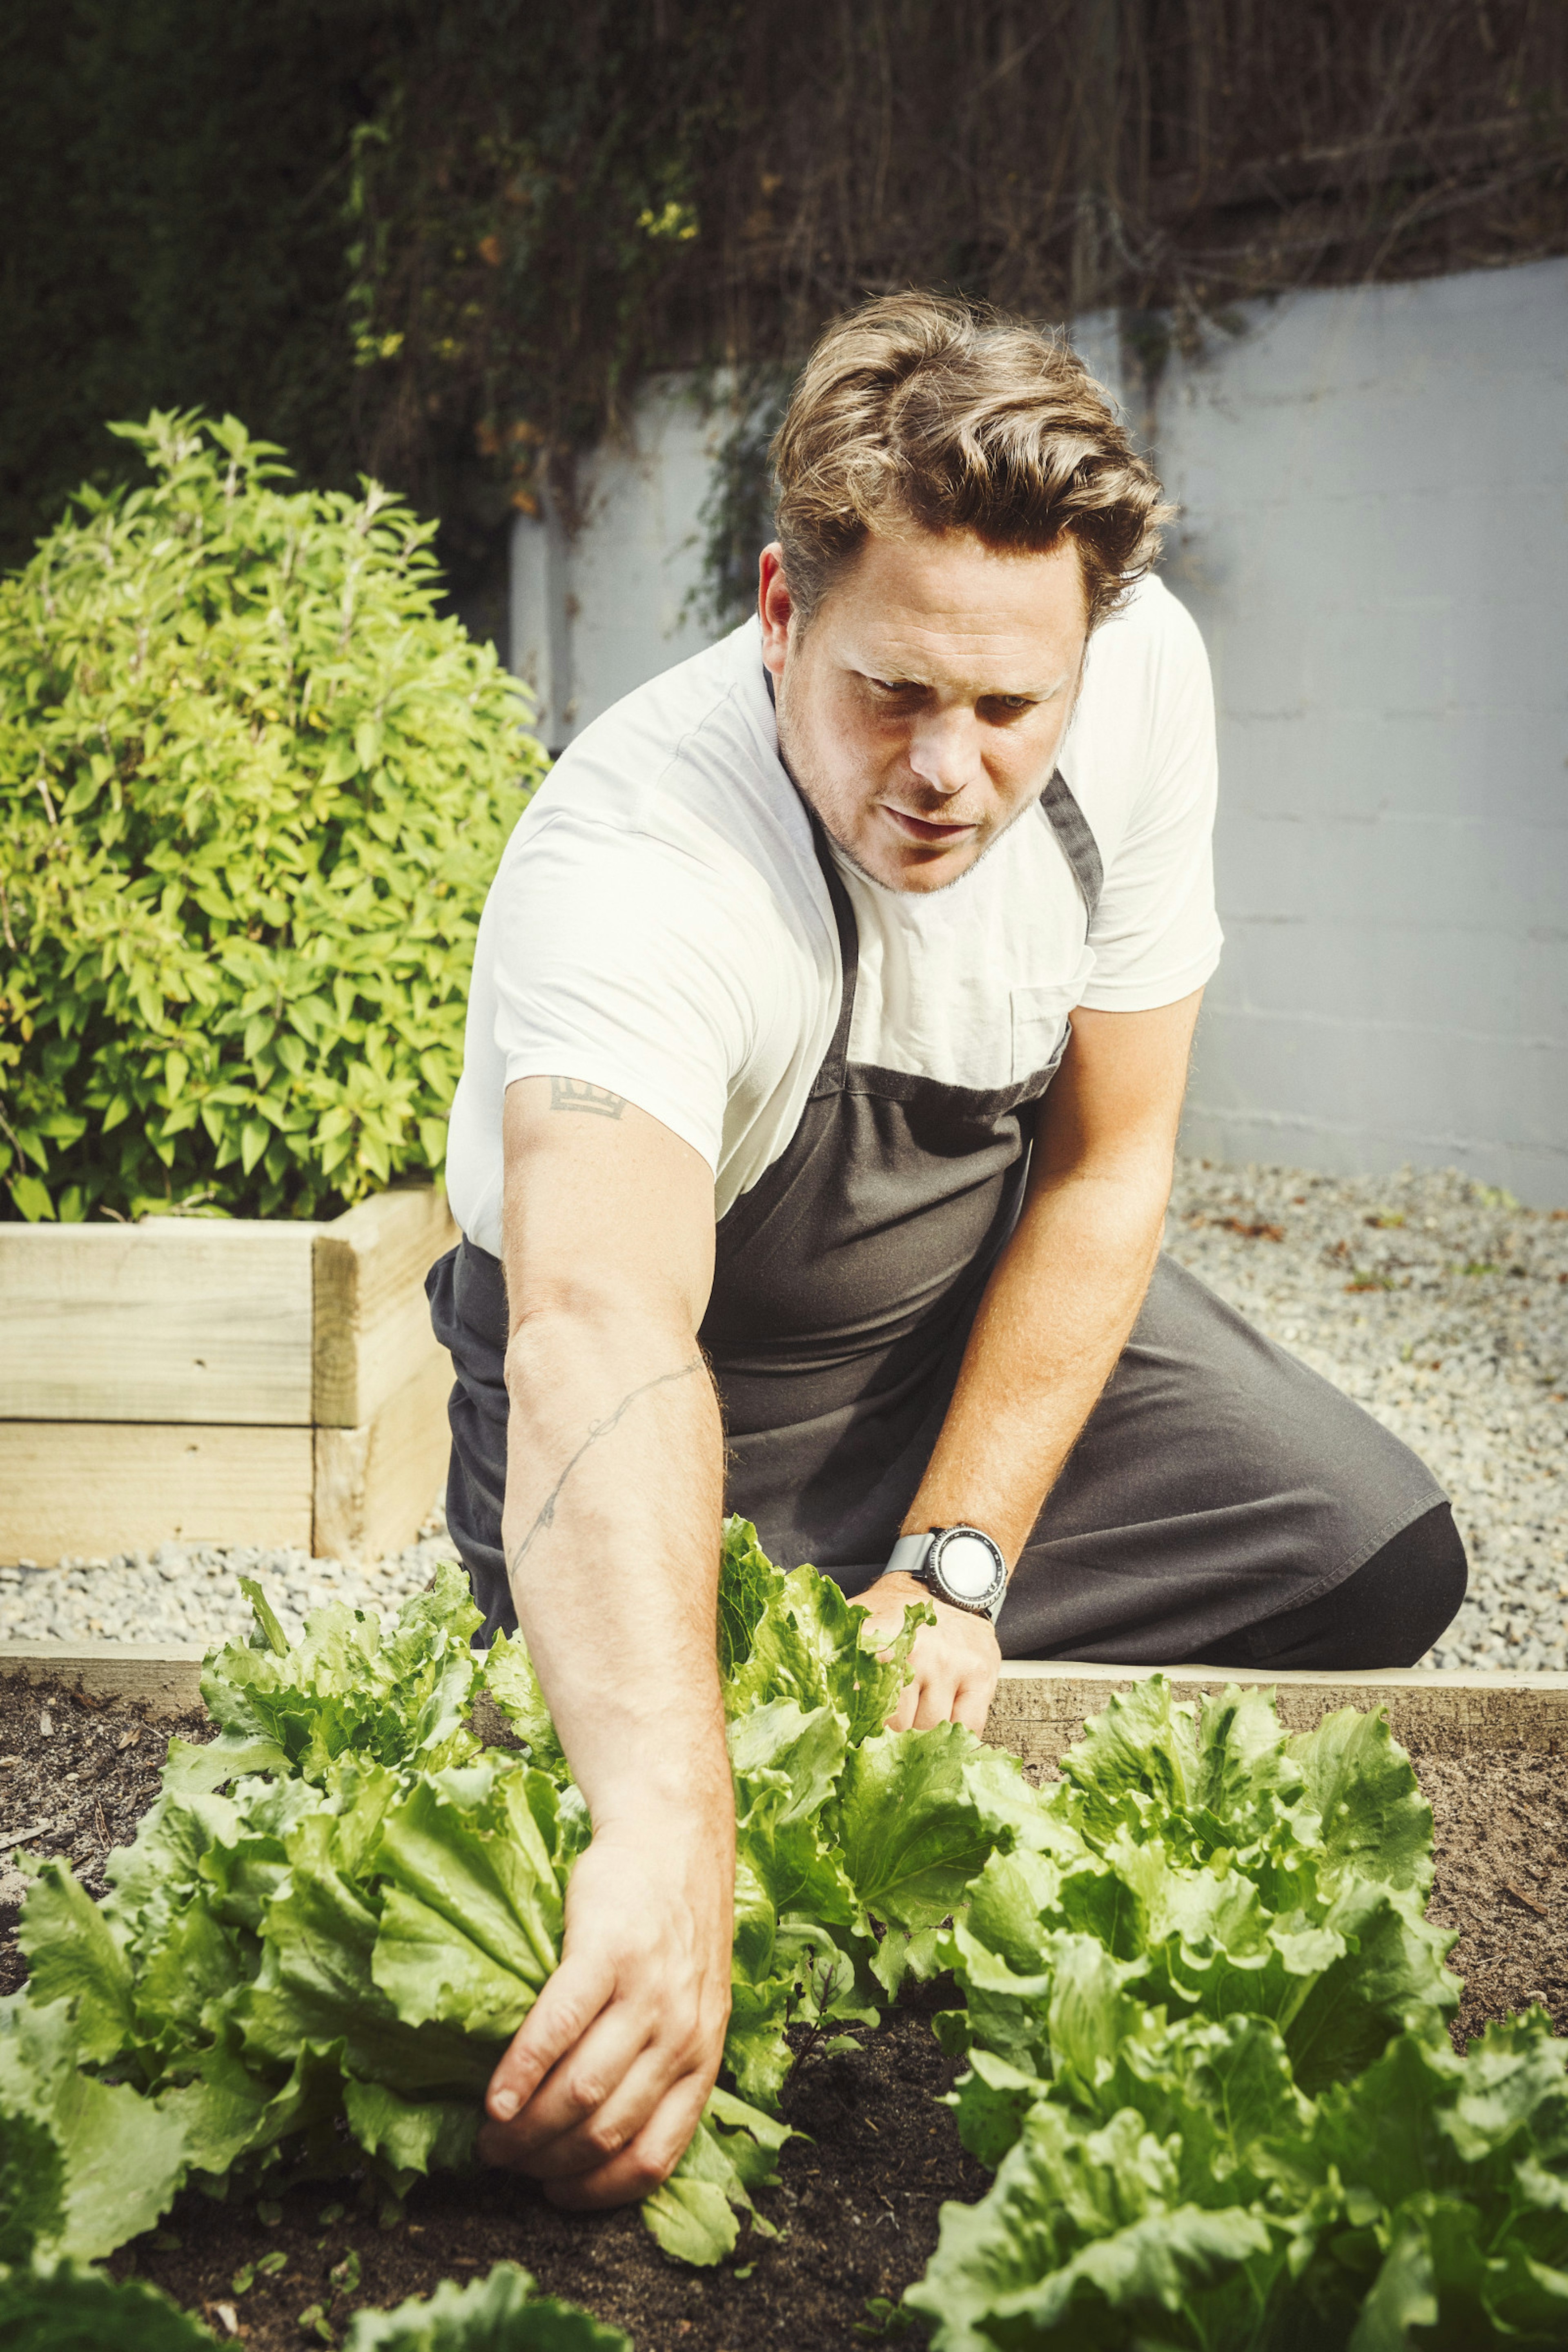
(217, 1380)
(859, 2196)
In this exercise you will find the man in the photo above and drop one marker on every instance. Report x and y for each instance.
(786, 1186)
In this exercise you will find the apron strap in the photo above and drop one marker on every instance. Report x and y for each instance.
(829, 1079)
(1078, 844)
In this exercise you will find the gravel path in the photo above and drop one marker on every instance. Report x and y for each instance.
(190, 1593)
(1439, 1305)
(1442, 1306)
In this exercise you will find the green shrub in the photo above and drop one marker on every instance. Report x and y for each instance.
(252, 792)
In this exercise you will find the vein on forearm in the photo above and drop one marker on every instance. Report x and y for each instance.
(597, 1428)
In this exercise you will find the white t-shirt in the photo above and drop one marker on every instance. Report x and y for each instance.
(660, 924)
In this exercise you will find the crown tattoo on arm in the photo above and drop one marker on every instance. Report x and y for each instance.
(576, 1094)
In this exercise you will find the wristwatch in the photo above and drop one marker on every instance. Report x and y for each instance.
(960, 1565)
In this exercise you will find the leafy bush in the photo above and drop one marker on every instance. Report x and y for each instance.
(252, 791)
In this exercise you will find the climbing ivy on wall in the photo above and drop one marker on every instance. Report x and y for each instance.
(445, 244)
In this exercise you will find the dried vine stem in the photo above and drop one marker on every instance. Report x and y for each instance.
(588, 192)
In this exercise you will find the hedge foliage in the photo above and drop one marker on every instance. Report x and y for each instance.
(252, 791)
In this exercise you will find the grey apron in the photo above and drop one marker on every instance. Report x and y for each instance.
(1217, 1484)
(846, 1280)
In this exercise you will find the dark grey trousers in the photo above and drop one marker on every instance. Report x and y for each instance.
(1218, 1488)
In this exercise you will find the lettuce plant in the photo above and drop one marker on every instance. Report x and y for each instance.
(65, 2308)
(1206, 2019)
(338, 1912)
(502, 2313)
(1204, 2014)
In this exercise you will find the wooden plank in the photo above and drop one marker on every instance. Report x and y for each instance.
(164, 1678)
(177, 1320)
(92, 1488)
(373, 1332)
(375, 1484)
(1039, 1708)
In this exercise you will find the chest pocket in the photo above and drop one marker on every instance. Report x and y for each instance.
(1040, 1021)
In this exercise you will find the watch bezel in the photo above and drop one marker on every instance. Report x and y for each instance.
(978, 1605)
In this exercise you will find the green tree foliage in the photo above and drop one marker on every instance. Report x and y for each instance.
(252, 791)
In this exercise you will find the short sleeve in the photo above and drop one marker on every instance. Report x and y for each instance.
(612, 965)
(1155, 933)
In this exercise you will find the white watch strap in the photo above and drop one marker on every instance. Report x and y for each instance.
(909, 1554)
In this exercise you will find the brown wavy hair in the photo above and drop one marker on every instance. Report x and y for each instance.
(919, 409)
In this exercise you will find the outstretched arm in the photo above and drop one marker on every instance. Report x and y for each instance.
(1055, 1318)
(611, 1526)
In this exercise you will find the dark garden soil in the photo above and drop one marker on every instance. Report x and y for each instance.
(858, 2200)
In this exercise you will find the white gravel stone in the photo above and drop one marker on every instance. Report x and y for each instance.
(184, 1594)
(1438, 1303)
(1442, 1306)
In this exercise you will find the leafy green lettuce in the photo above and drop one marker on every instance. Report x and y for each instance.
(503, 2312)
(67, 2308)
(338, 1913)
(1205, 2016)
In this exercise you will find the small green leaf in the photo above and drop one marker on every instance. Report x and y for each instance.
(33, 1199)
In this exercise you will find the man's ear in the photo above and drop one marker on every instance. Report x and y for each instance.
(774, 607)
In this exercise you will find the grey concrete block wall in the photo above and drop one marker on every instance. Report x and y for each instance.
(595, 612)
(1374, 541)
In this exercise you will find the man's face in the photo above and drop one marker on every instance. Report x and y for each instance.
(922, 711)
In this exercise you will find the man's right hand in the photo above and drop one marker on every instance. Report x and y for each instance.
(603, 2085)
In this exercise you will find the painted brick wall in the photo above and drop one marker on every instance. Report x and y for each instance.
(1374, 541)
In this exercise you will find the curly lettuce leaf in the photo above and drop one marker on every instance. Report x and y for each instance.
(116, 2159)
(63, 2307)
(471, 1905)
(400, 1696)
(695, 2216)
(747, 1579)
(911, 1836)
(809, 1644)
(500, 2313)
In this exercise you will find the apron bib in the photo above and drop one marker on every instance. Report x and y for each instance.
(846, 1280)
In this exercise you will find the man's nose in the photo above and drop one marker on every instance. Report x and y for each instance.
(944, 750)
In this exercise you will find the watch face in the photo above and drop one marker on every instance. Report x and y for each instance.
(968, 1564)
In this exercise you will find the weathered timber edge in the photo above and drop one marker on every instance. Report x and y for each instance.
(223, 1380)
(166, 1678)
(1038, 1712)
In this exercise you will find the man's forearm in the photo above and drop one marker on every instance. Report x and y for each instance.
(1054, 1316)
(611, 1528)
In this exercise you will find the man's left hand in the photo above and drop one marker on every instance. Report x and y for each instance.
(955, 1661)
